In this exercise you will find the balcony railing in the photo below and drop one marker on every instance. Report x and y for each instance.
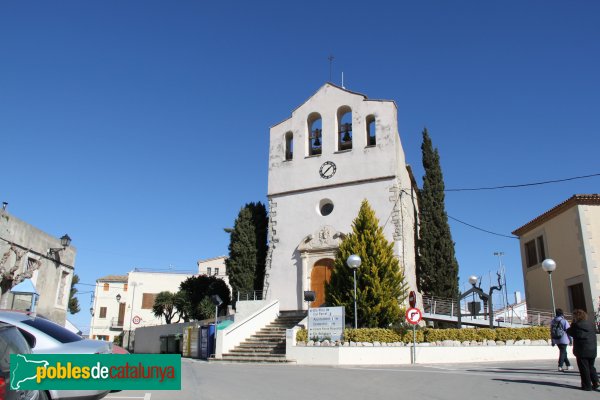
(116, 323)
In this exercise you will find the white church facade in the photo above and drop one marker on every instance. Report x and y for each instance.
(336, 150)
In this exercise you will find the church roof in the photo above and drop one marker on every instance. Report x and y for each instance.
(577, 199)
(337, 87)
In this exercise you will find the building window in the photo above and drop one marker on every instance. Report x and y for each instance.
(535, 251)
(102, 337)
(344, 118)
(208, 271)
(148, 300)
(216, 271)
(106, 287)
(371, 131)
(577, 296)
(314, 134)
(289, 146)
(30, 265)
(540, 249)
(125, 285)
(102, 312)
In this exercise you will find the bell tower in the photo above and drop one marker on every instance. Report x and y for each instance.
(336, 149)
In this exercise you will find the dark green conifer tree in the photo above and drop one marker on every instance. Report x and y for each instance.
(248, 249)
(437, 268)
(380, 281)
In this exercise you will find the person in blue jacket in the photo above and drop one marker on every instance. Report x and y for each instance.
(563, 341)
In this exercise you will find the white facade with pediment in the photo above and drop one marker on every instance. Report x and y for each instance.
(312, 203)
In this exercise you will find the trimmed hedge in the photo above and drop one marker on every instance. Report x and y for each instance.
(429, 335)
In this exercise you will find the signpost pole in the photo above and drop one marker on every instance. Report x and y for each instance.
(413, 317)
(414, 349)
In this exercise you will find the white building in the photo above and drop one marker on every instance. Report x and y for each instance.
(108, 310)
(137, 291)
(336, 149)
(214, 267)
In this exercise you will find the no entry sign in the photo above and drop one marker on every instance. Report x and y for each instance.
(413, 316)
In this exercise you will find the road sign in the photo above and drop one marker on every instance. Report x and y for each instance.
(412, 298)
(413, 316)
(137, 319)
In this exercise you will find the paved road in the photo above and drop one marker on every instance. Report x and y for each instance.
(221, 381)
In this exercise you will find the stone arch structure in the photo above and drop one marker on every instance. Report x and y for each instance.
(317, 252)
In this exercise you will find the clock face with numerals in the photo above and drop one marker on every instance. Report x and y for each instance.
(327, 170)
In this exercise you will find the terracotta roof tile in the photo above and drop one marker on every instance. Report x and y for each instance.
(113, 278)
(577, 199)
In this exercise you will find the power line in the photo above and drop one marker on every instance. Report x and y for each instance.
(481, 229)
(522, 184)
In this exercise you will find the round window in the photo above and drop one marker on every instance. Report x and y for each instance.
(325, 207)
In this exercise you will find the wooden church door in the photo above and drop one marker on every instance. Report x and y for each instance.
(319, 276)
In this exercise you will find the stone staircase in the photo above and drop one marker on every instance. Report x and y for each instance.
(268, 344)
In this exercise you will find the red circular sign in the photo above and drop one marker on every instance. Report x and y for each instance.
(412, 298)
(413, 316)
(137, 319)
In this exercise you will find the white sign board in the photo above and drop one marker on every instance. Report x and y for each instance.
(326, 323)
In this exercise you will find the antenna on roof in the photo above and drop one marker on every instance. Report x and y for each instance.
(330, 58)
(343, 87)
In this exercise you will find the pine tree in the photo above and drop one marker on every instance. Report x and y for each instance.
(437, 268)
(248, 249)
(380, 282)
(73, 306)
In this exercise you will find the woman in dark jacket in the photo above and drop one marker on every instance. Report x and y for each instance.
(584, 348)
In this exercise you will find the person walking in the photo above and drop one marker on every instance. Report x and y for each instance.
(560, 338)
(584, 348)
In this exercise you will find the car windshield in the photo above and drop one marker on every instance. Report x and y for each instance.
(53, 330)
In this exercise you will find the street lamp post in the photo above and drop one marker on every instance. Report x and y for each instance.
(134, 284)
(216, 300)
(549, 266)
(354, 262)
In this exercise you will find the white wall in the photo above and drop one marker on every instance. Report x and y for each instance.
(107, 298)
(376, 173)
(424, 355)
(148, 282)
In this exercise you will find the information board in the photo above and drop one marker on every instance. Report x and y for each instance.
(326, 323)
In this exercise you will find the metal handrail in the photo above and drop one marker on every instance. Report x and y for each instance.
(252, 295)
(449, 307)
(115, 323)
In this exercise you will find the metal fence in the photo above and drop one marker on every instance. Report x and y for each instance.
(252, 295)
(450, 307)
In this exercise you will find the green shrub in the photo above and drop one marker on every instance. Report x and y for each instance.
(301, 335)
(401, 334)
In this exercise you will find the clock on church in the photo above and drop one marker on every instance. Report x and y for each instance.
(327, 170)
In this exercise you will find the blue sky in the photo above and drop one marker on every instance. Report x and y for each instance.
(141, 127)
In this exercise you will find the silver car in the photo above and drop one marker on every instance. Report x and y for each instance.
(13, 342)
(51, 338)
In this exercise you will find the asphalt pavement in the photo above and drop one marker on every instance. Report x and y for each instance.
(530, 380)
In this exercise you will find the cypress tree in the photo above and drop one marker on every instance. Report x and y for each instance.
(261, 223)
(248, 249)
(380, 282)
(437, 268)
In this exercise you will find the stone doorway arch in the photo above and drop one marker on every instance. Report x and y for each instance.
(317, 252)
